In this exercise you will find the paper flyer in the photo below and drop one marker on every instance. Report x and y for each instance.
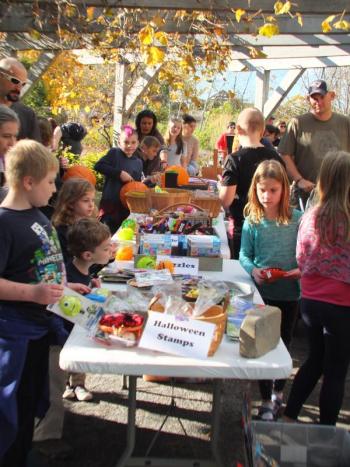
(78, 309)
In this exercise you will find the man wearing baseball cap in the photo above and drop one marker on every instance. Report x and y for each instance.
(310, 136)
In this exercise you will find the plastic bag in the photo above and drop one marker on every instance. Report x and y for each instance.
(210, 293)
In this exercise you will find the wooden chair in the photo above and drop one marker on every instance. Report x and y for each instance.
(212, 171)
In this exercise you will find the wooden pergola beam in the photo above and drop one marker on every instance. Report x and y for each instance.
(282, 90)
(306, 6)
(37, 69)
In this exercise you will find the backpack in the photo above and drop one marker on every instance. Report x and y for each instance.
(74, 131)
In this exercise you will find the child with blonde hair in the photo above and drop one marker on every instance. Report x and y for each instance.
(323, 255)
(268, 241)
(175, 152)
(31, 277)
(239, 169)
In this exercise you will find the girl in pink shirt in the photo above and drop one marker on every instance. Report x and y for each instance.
(323, 255)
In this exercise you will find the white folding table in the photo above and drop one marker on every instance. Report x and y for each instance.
(81, 354)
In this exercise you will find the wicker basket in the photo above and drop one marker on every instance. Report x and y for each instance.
(172, 196)
(215, 314)
(138, 201)
(208, 201)
(199, 216)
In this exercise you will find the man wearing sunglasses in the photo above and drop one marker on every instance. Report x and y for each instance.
(13, 77)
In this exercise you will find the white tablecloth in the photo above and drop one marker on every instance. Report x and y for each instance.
(81, 354)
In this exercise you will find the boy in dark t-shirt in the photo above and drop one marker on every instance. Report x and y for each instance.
(31, 277)
(239, 169)
(89, 242)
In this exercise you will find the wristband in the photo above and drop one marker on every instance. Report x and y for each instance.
(297, 181)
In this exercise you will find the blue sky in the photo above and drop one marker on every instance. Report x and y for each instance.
(244, 84)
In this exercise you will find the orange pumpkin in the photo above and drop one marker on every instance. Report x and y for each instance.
(131, 186)
(80, 171)
(183, 177)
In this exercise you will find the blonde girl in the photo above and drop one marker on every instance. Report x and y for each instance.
(75, 201)
(323, 255)
(268, 241)
(175, 150)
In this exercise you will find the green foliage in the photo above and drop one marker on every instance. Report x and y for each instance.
(89, 160)
(215, 123)
(98, 138)
(37, 99)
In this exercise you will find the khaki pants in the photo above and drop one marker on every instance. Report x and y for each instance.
(51, 426)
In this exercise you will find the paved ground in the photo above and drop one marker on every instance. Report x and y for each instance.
(96, 430)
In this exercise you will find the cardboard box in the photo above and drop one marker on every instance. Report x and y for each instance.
(210, 264)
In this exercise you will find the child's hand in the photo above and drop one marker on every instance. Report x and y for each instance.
(125, 177)
(79, 288)
(96, 282)
(45, 294)
(293, 274)
(257, 276)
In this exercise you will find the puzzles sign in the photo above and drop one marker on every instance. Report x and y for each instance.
(177, 335)
(183, 264)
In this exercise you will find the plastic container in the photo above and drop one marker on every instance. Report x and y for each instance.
(298, 445)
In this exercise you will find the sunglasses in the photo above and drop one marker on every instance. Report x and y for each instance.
(12, 79)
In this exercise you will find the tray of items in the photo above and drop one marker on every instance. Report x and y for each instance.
(180, 233)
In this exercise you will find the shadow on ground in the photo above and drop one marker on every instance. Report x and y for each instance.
(97, 430)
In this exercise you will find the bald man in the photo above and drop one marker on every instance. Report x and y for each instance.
(13, 77)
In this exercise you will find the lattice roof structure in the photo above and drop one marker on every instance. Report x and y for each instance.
(55, 25)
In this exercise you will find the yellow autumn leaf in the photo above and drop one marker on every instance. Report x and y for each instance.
(343, 24)
(256, 53)
(326, 27)
(90, 13)
(157, 21)
(300, 19)
(268, 30)
(70, 11)
(146, 35)
(239, 13)
(219, 30)
(34, 34)
(87, 109)
(282, 8)
(154, 55)
(161, 37)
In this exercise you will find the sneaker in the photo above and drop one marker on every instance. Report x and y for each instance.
(68, 393)
(82, 394)
(265, 413)
(277, 405)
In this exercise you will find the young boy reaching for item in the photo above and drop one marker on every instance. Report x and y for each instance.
(89, 242)
(239, 169)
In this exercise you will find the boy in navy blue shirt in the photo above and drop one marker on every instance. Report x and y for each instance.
(31, 277)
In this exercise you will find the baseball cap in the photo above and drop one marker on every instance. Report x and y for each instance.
(318, 87)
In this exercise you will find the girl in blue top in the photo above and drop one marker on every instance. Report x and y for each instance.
(269, 241)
